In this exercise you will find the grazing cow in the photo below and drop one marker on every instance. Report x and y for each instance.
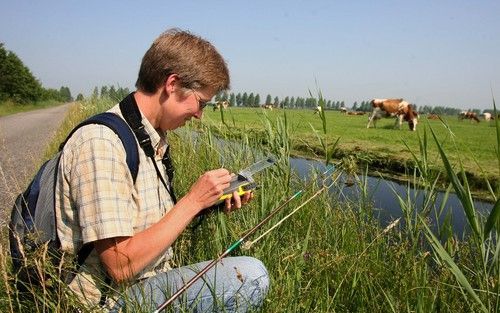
(220, 105)
(468, 115)
(267, 106)
(356, 113)
(433, 116)
(487, 116)
(393, 108)
(318, 110)
(343, 110)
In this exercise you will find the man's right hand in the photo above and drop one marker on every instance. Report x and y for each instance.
(207, 190)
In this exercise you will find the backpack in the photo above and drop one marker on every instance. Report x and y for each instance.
(33, 219)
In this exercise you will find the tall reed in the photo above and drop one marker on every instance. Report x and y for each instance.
(480, 281)
(328, 257)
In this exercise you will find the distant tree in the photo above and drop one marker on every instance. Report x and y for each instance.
(65, 94)
(257, 100)
(16, 81)
(311, 102)
(79, 97)
(238, 99)
(292, 102)
(104, 92)
(276, 102)
(299, 103)
(95, 93)
(112, 93)
(244, 99)
(51, 94)
(286, 102)
(232, 99)
(122, 93)
(268, 99)
(365, 106)
(251, 99)
(355, 106)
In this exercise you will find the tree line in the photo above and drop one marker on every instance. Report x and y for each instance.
(18, 85)
(250, 99)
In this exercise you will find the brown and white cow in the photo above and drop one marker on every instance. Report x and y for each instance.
(468, 115)
(219, 105)
(398, 108)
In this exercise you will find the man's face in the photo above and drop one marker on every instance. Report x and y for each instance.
(183, 105)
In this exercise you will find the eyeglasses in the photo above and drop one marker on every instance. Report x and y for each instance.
(201, 103)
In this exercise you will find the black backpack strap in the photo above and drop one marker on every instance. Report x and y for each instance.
(132, 115)
(121, 128)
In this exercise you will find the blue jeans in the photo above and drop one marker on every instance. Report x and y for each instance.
(235, 284)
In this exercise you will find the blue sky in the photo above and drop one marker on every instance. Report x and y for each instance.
(428, 52)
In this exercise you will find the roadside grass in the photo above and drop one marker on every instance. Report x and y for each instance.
(382, 149)
(9, 107)
(331, 256)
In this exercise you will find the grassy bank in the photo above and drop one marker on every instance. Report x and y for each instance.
(8, 108)
(383, 149)
(329, 256)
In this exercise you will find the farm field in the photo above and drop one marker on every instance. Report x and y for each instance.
(330, 256)
(382, 148)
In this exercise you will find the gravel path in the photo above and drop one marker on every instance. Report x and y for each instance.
(23, 139)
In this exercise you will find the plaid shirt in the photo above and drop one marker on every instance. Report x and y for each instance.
(97, 199)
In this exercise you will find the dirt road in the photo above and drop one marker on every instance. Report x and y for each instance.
(23, 139)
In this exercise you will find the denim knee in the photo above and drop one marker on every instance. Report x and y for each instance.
(257, 275)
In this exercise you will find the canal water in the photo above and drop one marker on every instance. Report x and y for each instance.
(382, 194)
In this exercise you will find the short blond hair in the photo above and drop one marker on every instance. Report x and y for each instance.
(195, 60)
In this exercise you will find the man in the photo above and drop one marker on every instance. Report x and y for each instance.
(132, 226)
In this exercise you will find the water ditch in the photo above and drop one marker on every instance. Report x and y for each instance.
(382, 193)
(383, 196)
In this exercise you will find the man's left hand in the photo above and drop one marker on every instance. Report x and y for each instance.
(236, 201)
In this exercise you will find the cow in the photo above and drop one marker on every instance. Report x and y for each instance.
(355, 113)
(267, 106)
(488, 116)
(468, 115)
(343, 110)
(318, 110)
(220, 105)
(398, 108)
(431, 116)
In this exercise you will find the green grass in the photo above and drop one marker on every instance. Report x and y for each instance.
(381, 148)
(8, 107)
(329, 256)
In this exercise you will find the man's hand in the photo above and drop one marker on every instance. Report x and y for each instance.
(236, 201)
(208, 188)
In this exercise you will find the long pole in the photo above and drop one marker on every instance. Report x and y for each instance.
(236, 244)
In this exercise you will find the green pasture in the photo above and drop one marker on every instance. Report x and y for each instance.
(384, 148)
(330, 256)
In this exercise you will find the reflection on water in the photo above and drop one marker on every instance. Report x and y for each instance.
(382, 194)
